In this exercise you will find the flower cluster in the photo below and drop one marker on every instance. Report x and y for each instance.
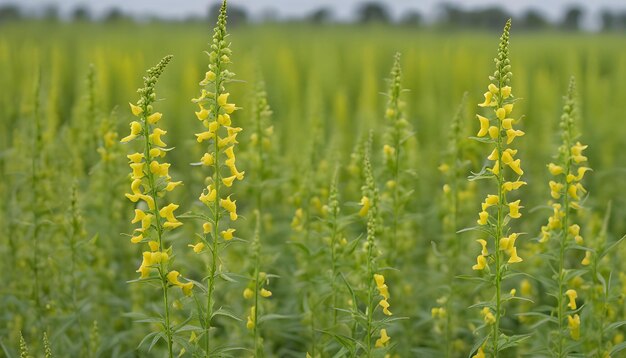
(249, 293)
(151, 180)
(383, 290)
(499, 130)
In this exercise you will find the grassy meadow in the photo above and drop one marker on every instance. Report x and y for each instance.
(348, 177)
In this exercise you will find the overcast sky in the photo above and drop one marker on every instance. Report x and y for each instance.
(341, 8)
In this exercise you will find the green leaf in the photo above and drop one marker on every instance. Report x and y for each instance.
(224, 312)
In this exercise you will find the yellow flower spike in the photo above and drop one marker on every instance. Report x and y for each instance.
(481, 263)
(248, 293)
(385, 305)
(172, 185)
(507, 123)
(484, 250)
(511, 134)
(224, 119)
(484, 126)
(197, 248)
(488, 316)
(136, 239)
(514, 258)
(514, 209)
(514, 185)
(384, 339)
(204, 136)
(508, 108)
(501, 113)
(228, 234)
(265, 293)
(516, 166)
(203, 114)
(155, 137)
(135, 157)
(494, 132)
(228, 181)
(493, 88)
(207, 159)
(573, 323)
(506, 92)
(207, 228)
(483, 216)
(488, 100)
(154, 117)
(365, 205)
(493, 155)
(555, 169)
(135, 110)
(587, 259)
(571, 296)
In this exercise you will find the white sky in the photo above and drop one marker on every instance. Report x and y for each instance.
(342, 8)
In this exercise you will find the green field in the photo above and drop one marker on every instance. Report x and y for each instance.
(64, 218)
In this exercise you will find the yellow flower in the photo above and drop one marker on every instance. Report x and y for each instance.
(172, 185)
(500, 113)
(494, 132)
(135, 157)
(511, 134)
(493, 88)
(159, 169)
(555, 169)
(573, 322)
(228, 181)
(224, 119)
(228, 234)
(383, 340)
(483, 216)
(365, 205)
(480, 353)
(381, 286)
(144, 269)
(579, 177)
(136, 110)
(571, 295)
(154, 246)
(207, 228)
(136, 239)
(488, 100)
(197, 248)
(484, 250)
(509, 186)
(574, 230)
(154, 117)
(265, 293)
(587, 259)
(135, 130)
(167, 212)
(488, 317)
(187, 287)
(248, 293)
(229, 205)
(137, 170)
(210, 196)
(484, 126)
(514, 258)
(508, 108)
(506, 91)
(516, 166)
(203, 114)
(555, 189)
(496, 168)
(577, 151)
(172, 277)
(385, 305)
(205, 136)
(155, 137)
(514, 209)
(481, 263)
(493, 155)
(250, 324)
(571, 190)
(507, 123)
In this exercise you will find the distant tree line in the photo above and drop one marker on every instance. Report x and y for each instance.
(450, 16)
